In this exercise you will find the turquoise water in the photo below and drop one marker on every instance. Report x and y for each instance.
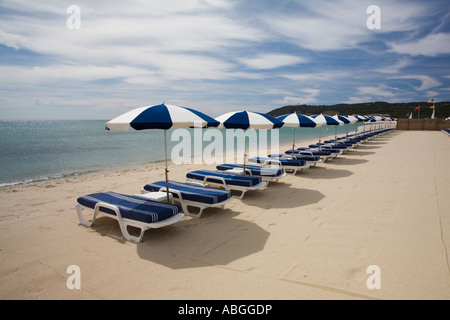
(33, 151)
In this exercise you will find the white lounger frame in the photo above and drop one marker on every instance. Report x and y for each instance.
(185, 204)
(326, 147)
(322, 157)
(226, 186)
(311, 163)
(267, 179)
(124, 223)
(271, 162)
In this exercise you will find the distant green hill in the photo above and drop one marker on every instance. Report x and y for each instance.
(396, 110)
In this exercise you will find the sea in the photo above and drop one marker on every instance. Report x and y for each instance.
(37, 151)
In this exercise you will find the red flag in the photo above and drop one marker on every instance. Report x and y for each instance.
(417, 108)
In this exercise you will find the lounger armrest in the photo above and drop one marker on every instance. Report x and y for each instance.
(198, 184)
(205, 180)
(306, 153)
(105, 205)
(270, 162)
(122, 225)
(178, 193)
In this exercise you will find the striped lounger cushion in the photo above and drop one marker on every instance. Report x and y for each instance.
(192, 193)
(316, 152)
(230, 179)
(131, 207)
(255, 170)
(284, 162)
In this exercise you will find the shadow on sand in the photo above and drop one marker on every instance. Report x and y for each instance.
(282, 195)
(347, 161)
(218, 238)
(321, 172)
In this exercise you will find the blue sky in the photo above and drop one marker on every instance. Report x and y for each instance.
(217, 56)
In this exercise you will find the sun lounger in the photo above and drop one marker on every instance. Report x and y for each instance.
(338, 146)
(327, 148)
(191, 195)
(129, 210)
(296, 155)
(322, 154)
(266, 174)
(232, 182)
(287, 164)
(342, 143)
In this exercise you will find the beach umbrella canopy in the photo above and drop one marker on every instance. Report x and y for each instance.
(344, 119)
(360, 118)
(162, 117)
(327, 120)
(296, 120)
(352, 119)
(248, 120)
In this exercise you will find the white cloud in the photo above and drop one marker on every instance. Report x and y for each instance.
(320, 76)
(277, 91)
(57, 73)
(432, 94)
(272, 61)
(296, 100)
(381, 91)
(352, 100)
(426, 81)
(310, 96)
(432, 45)
(395, 68)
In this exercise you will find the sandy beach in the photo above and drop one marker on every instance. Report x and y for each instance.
(309, 236)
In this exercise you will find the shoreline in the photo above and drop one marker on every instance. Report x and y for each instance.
(122, 168)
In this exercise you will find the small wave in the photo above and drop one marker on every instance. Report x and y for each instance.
(38, 180)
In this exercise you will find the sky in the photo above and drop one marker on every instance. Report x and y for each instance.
(100, 59)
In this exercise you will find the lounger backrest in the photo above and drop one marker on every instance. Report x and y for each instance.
(191, 192)
(237, 180)
(131, 207)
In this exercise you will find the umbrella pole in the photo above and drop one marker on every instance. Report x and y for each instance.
(320, 138)
(245, 151)
(293, 142)
(166, 170)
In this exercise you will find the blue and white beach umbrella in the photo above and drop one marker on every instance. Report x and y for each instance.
(296, 120)
(248, 120)
(162, 117)
(346, 120)
(353, 120)
(326, 121)
(360, 118)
